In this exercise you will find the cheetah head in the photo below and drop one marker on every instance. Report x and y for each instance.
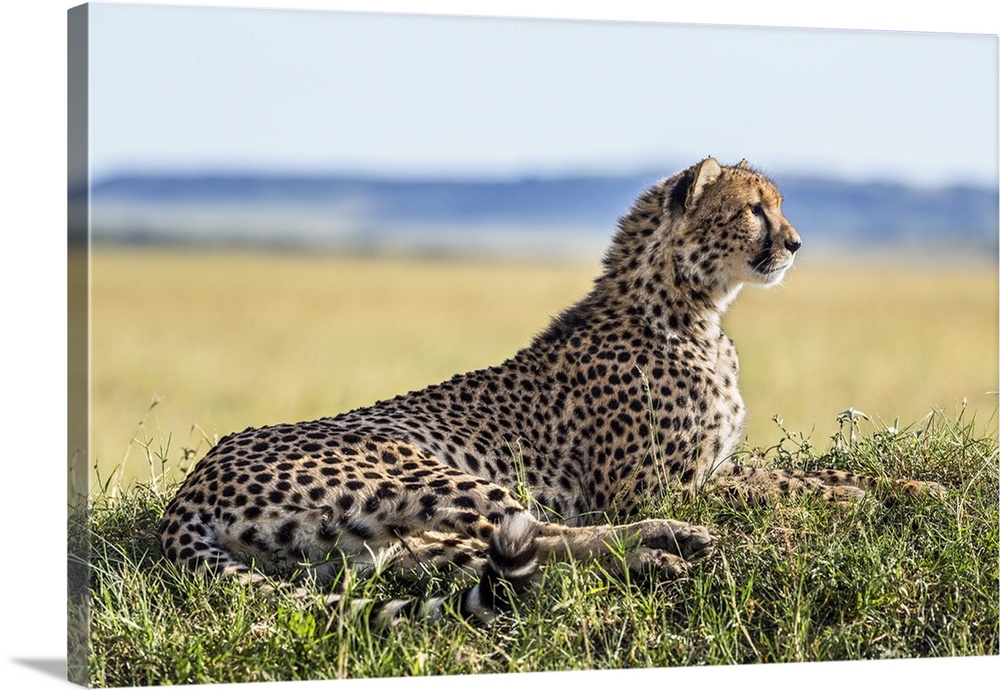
(699, 236)
(725, 228)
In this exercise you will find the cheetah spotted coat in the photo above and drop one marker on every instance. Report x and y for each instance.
(633, 387)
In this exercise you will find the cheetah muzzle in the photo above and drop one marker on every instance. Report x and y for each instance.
(428, 478)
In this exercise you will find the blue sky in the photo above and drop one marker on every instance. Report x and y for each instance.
(300, 91)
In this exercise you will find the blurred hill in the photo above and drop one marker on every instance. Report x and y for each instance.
(532, 216)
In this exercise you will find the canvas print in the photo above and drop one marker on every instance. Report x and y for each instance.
(413, 345)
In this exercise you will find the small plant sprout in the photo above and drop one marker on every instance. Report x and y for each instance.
(852, 417)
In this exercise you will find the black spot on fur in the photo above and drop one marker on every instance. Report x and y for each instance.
(286, 532)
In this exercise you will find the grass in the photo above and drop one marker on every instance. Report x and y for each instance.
(792, 581)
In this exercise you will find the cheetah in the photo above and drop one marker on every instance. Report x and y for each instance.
(629, 390)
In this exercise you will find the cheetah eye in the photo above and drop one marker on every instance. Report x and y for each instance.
(758, 210)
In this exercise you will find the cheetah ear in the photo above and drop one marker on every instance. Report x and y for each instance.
(706, 173)
(743, 165)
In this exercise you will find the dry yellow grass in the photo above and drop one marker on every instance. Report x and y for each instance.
(891, 340)
(226, 340)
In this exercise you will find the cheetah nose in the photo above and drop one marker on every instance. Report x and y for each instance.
(792, 244)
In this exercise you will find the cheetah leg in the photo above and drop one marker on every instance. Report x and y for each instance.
(667, 546)
(908, 487)
(756, 485)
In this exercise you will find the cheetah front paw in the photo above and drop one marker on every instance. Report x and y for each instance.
(689, 542)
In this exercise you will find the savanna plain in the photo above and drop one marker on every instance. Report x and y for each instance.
(886, 367)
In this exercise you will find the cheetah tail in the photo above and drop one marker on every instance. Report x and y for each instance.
(511, 563)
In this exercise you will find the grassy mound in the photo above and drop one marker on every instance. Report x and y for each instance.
(791, 581)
